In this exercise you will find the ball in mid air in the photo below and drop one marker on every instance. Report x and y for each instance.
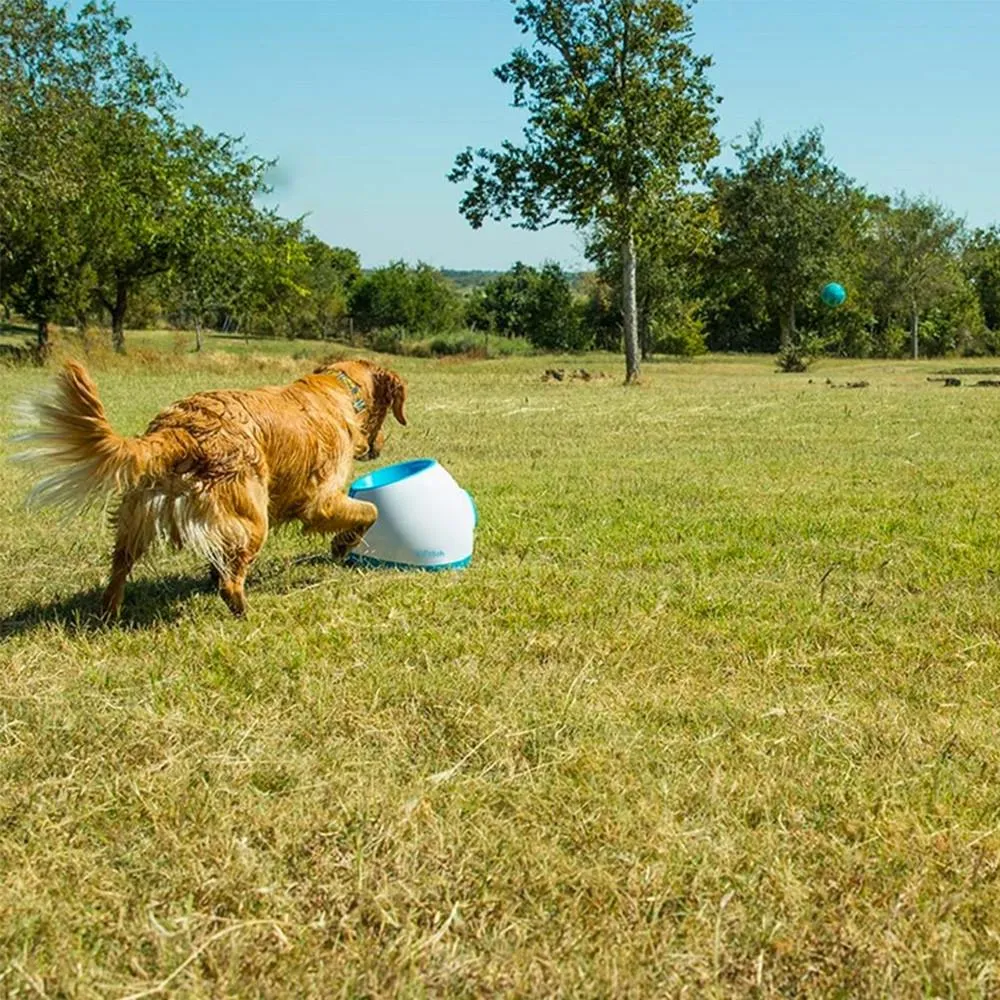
(833, 294)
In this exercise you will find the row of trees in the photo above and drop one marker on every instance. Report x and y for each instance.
(108, 200)
(743, 268)
(739, 265)
(538, 305)
(619, 141)
(788, 220)
(111, 206)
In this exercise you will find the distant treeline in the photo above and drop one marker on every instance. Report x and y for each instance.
(471, 280)
(113, 211)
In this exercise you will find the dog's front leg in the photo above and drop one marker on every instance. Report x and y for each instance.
(346, 519)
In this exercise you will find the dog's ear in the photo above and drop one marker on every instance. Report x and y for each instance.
(398, 398)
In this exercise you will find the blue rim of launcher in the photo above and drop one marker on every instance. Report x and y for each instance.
(426, 521)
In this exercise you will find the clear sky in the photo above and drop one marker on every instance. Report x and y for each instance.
(366, 102)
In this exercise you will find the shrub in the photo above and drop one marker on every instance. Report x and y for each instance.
(791, 359)
(388, 340)
(687, 343)
(682, 334)
(985, 343)
(953, 324)
(471, 344)
(799, 356)
(890, 342)
(462, 344)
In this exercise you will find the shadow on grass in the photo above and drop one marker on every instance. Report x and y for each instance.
(148, 603)
(160, 601)
(14, 329)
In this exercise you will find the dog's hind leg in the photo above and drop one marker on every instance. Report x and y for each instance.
(244, 532)
(133, 536)
(232, 578)
(122, 561)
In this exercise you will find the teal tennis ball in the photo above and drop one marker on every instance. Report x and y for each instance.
(833, 294)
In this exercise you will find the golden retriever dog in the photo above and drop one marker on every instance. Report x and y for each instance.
(216, 470)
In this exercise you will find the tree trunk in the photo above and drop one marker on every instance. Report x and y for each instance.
(629, 310)
(118, 317)
(197, 334)
(645, 336)
(43, 336)
(788, 327)
(915, 332)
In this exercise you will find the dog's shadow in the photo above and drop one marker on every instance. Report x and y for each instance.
(148, 603)
(153, 602)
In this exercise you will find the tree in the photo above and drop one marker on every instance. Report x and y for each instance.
(205, 266)
(673, 240)
(536, 305)
(42, 263)
(620, 115)
(164, 198)
(272, 268)
(418, 299)
(600, 313)
(332, 273)
(913, 259)
(981, 263)
(101, 188)
(785, 216)
(56, 75)
(501, 306)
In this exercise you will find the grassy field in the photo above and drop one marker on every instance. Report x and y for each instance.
(714, 712)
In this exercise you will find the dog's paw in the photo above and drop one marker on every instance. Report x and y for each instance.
(342, 544)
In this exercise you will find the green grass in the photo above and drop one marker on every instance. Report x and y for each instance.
(713, 713)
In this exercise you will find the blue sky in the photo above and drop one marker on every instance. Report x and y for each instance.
(366, 102)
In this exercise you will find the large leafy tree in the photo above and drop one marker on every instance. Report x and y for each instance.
(61, 78)
(101, 187)
(42, 260)
(673, 241)
(786, 214)
(620, 116)
(981, 263)
(332, 273)
(501, 305)
(551, 319)
(218, 231)
(270, 267)
(164, 198)
(914, 260)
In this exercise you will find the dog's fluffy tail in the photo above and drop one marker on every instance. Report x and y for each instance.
(87, 460)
